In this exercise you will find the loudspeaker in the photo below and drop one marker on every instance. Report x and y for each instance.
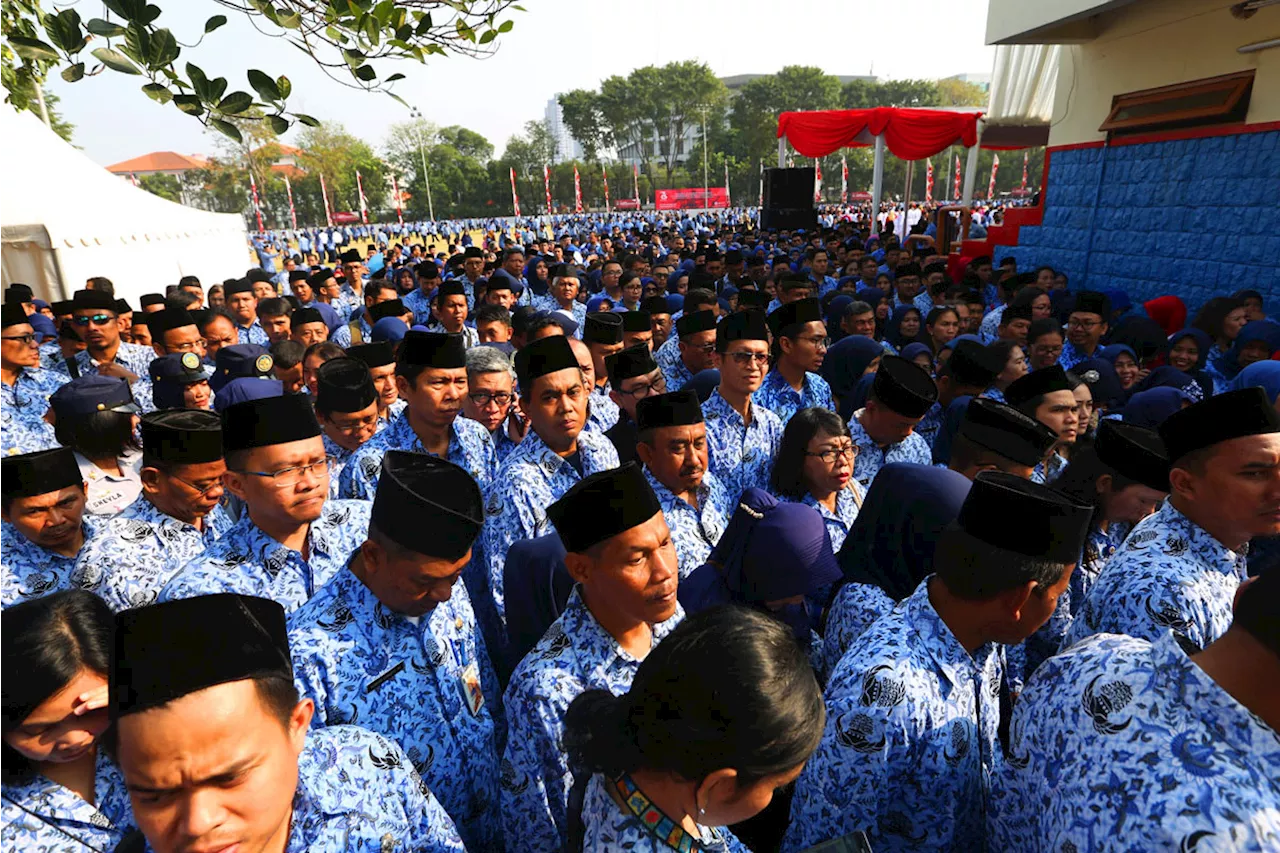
(788, 199)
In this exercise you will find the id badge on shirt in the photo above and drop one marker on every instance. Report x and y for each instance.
(469, 680)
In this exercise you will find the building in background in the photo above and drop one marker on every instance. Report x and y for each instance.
(566, 147)
(982, 81)
(168, 163)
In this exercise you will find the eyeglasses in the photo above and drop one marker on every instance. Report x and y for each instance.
(26, 340)
(829, 456)
(1083, 324)
(197, 489)
(746, 359)
(705, 349)
(286, 477)
(190, 346)
(644, 389)
(95, 319)
(820, 343)
(483, 399)
(355, 426)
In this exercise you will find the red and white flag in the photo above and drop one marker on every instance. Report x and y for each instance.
(844, 180)
(395, 189)
(760, 203)
(956, 190)
(817, 182)
(727, 197)
(364, 211)
(995, 167)
(928, 181)
(577, 191)
(324, 194)
(546, 182)
(253, 190)
(605, 172)
(515, 199)
(1024, 170)
(293, 214)
(635, 182)
(133, 179)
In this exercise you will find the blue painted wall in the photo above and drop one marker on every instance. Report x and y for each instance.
(1196, 218)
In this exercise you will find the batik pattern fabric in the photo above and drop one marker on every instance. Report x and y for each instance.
(777, 395)
(672, 365)
(931, 423)
(741, 454)
(694, 530)
(1072, 355)
(138, 551)
(134, 358)
(427, 683)
(502, 444)
(1169, 575)
(249, 562)
(576, 654)
(23, 406)
(910, 741)
(989, 328)
(252, 334)
(848, 502)
(41, 816)
(872, 457)
(533, 478)
(1049, 470)
(1124, 744)
(31, 571)
(855, 608)
(470, 448)
(603, 413)
(641, 827)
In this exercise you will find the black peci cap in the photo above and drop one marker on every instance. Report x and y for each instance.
(1008, 512)
(1002, 429)
(25, 475)
(182, 436)
(1222, 417)
(679, 408)
(904, 387)
(427, 505)
(602, 506)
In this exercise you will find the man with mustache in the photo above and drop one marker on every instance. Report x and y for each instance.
(45, 527)
(620, 552)
(431, 377)
(93, 314)
(673, 447)
(290, 539)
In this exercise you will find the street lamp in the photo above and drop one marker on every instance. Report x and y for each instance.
(417, 116)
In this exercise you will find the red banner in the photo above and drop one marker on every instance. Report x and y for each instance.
(345, 217)
(627, 204)
(859, 196)
(692, 198)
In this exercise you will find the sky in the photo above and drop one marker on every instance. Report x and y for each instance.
(555, 46)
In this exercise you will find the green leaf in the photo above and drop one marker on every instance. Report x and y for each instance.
(309, 121)
(149, 14)
(72, 73)
(393, 78)
(217, 86)
(33, 49)
(99, 27)
(505, 26)
(235, 103)
(424, 26)
(214, 22)
(115, 60)
(279, 125)
(285, 87)
(291, 21)
(64, 30)
(366, 73)
(164, 48)
(488, 36)
(465, 31)
(158, 93)
(199, 81)
(189, 104)
(263, 85)
(227, 129)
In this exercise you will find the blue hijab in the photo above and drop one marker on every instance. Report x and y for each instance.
(835, 313)
(1114, 351)
(891, 543)
(1104, 384)
(1150, 408)
(844, 364)
(893, 329)
(858, 399)
(1202, 339)
(1256, 331)
(1166, 376)
(911, 350)
(1264, 374)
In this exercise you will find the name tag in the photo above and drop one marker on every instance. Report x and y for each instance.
(469, 681)
(385, 677)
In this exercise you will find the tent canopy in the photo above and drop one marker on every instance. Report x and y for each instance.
(66, 219)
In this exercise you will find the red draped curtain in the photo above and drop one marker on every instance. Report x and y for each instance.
(909, 134)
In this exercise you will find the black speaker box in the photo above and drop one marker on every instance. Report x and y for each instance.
(788, 199)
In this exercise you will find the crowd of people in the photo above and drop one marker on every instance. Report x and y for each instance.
(638, 534)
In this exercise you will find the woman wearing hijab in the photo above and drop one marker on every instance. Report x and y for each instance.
(538, 275)
(1257, 341)
(1106, 392)
(904, 327)
(1170, 377)
(1125, 362)
(845, 363)
(835, 313)
(1262, 374)
(1144, 336)
(1169, 311)
(1150, 408)
(920, 354)
(890, 547)
(62, 793)
(406, 281)
(773, 557)
(814, 466)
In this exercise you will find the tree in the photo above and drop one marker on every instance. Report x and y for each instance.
(760, 101)
(864, 94)
(957, 93)
(165, 186)
(467, 142)
(336, 154)
(348, 40)
(584, 118)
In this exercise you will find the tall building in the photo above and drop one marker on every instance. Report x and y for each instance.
(567, 148)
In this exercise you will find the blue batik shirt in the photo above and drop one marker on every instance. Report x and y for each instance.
(1071, 355)
(694, 530)
(533, 478)
(576, 654)
(872, 457)
(848, 502)
(1169, 575)
(672, 365)
(609, 827)
(420, 304)
(741, 454)
(777, 395)
(1049, 470)
(249, 562)
(1122, 744)
(41, 816)
(603, 413)
(31, 571)
(134, 358)
(910, 741)
(394, 411)
(252, 334)
(23, 406)
(356, 791)
(503, 444)
(856, 608)
(931, 423)
(989, 328)
(138, 551)
(361, 662)
(470, 448)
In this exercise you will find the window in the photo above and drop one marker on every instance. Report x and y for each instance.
(1214, 100)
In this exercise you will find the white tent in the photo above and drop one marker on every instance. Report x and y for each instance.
(64, 219)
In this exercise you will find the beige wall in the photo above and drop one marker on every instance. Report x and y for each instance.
(1157, 43)
(1044, 21)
